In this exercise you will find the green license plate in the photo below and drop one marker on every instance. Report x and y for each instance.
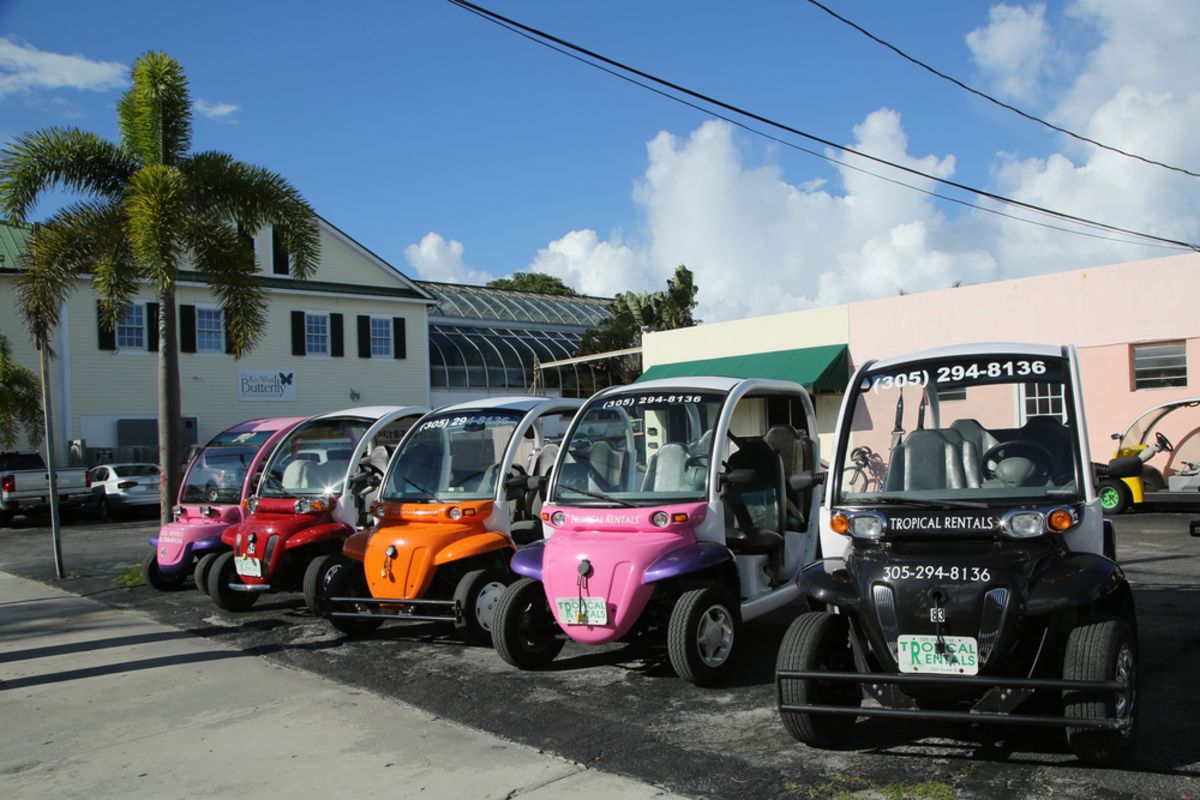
(592, 612)
(921, 654)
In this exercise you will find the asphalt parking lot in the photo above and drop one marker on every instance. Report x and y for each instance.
(621, 708)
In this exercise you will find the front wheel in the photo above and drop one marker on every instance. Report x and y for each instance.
(524, 632)
(345, 577)
(201, 570)
(702, 635)
(476, 596)
(155, 577)
(314, 579)
(816, 641)
(1114, 496)
(1101, 651)
(220, 575)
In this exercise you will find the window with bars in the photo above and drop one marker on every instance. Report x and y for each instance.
(1159, 365)
(1044, 400)
(316, 334)
(210, 330)
(381, 337)
(131, 329)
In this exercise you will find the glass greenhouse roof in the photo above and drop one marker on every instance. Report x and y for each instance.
(479, 303)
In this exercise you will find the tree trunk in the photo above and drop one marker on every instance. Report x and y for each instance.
(170, 449)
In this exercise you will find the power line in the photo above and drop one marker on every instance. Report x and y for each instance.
(541, 37)
(991, 99)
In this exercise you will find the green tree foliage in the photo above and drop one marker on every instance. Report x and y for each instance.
(148, 209)
(633, 312)
(533, 282)
(20, 402)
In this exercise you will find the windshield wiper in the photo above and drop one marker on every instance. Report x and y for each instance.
(599, 496)
(907, 501)
(421, 489)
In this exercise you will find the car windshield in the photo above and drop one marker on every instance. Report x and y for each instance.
(640, 448)
(218, 471)
(975, 428)
(451, 457)
(313, 459)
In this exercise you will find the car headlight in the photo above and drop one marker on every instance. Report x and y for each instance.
(660, 519)
(866, 526)
(454, 512)
(309, 505)
(252, 504)
(1024, 524)
(557, 519)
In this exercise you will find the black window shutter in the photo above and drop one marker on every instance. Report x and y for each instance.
(106, 338)
(337, 347)
(279, 253)
(228, 338)
(299, 348)
(398, 343)
(364, 336)
(187, 329)
(152, 327)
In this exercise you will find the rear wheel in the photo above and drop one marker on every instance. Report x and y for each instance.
(702, 635)
(817, 641)
(6, 516)
(1101, 651)
(524, 632)
(477, 595)
(1114, 496)
(220, 575)
(314, 579)
(155, 577)
(346, 577)
(200, 573)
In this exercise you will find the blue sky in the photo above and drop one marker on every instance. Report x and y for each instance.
(458, 151)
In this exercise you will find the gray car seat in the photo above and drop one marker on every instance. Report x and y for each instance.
(926, 460)
(755, 510)
(972, 474)
(792, 447)
(667, 470)
(529, 528)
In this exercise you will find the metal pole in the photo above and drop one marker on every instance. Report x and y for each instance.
(55, 529)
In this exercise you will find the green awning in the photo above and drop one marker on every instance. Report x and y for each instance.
(820, 369)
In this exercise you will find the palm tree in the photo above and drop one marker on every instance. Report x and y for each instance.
(20, 407)
(148, 208)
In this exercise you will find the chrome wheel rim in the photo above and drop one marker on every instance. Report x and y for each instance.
(486, 602)
(714, 635)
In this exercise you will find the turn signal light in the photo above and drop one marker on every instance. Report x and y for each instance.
(679, 517)
(1060, 520)
(839, 523)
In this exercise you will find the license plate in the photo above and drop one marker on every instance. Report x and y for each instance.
(920, 653)
(247, 566)
(593, 611)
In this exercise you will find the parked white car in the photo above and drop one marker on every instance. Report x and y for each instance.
(120, 487)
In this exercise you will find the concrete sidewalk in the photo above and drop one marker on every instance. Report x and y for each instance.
(97, 702)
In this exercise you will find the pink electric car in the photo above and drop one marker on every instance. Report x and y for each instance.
(221, 475)
(684, 505)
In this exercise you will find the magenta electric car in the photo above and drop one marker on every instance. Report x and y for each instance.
(218, 479)
(685, 505)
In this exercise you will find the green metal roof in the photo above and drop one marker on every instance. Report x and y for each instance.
(14, 242)
(820, 369)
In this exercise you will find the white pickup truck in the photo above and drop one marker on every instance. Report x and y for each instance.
(25, 487)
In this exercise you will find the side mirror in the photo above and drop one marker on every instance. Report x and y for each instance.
(802, 481)
(1127, 467)
(1116, 437)
(517, 485)
(363, 482)
(738, 477)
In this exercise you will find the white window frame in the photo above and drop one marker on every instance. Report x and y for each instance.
(1023, 398)
(220, 350)
(140, 305)
(1144, 346)
(309, 352)
(391, 344)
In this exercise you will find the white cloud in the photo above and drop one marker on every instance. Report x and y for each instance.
(436, 259)
(24, 67)
(221, 112)
(1012, 49)
(593, 267)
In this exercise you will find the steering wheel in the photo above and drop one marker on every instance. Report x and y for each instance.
(1163, 442)
(369, 467)
(697, 461)
(1019, 462)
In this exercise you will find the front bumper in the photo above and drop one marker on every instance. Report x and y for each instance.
(396, 610)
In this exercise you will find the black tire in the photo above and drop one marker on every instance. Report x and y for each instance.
(314, 579)
(6, 517)
(703, 634)
(201, 570)
(817, 641)
(154, 577)
(345, 577)
(524, 631)
(1114, 496)
(1101, 651)
(220, 575)
(477, 595)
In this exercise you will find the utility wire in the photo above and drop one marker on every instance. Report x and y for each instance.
(991, 99)
(824, 156)
(544, 38)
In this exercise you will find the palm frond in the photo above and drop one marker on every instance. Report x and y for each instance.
(59, 157)
(256, 197)
(156, 213)
(20, 405)
(155, 114)
(228, 265)
(72, 243)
